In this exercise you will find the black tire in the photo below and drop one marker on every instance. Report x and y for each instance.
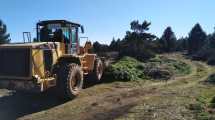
(70, 81)
(97, 71)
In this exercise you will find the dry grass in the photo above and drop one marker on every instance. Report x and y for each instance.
(149, 100)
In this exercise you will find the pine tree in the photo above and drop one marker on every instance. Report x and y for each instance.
(114, 45)
(4, 36)
(138, 27)
(137, 42)
(196, 40)
(168, 40)
(211, 41)
(181, 44)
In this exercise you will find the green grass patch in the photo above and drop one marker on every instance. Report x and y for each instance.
(204, 105)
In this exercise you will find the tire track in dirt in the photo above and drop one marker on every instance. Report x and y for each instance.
(117, 102)
(137, 94)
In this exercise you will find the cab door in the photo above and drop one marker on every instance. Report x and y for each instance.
(74, 40)
(67, 39)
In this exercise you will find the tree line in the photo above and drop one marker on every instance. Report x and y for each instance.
(142, 45)
(4, 36)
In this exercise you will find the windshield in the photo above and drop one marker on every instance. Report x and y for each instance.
(54, 32)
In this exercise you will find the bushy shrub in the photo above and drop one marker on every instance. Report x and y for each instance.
(158, 73)
(159, 68)
(202, 55)
(206, 54)
(212, 104)
(173, 66)
(125, 69)
(196, 107)
(181, 68)
(211, 60)
(139, 53)
(211, 79)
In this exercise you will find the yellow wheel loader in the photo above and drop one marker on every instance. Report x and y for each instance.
(56, 60)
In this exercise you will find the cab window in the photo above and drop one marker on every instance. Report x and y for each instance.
(66, 35)
(74, 39)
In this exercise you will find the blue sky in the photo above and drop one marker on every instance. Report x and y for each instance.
(105, 19)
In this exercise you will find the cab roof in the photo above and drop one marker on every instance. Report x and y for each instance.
(42, 23)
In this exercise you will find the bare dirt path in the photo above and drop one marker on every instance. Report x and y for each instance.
(139, 100)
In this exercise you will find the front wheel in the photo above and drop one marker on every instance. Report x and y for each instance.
(70, 81)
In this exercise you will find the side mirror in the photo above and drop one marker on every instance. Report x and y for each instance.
(82, 29)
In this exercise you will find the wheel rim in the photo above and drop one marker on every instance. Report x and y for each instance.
(99, 71)
(75, 83)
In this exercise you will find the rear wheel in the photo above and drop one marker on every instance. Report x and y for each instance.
(98, 71)
(70, 81)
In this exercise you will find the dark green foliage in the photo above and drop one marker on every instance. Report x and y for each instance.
(207, 52)
(4, 36)
(182, 44)
(125, 70)
(203, 107)
(200, 110)
(160, 68)
(115, 45)
(203, 54)
(209, 49)
(204, 116)
(138, 51)
(211, 79)
(168, 40)
(196, 107)
(196, 40)
(140, 28)
(211, 60)
(138, 43)
(99, 48)
(212, 104)
(179, 68)
(211, 41)
(176, 67)
(155, 71)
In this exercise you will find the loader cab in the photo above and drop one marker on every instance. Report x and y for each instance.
(61, 31)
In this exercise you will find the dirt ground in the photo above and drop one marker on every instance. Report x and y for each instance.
(143, 100)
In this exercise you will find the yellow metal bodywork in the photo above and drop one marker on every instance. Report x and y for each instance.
(38, 62)
(44, 79)
(38, 66)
